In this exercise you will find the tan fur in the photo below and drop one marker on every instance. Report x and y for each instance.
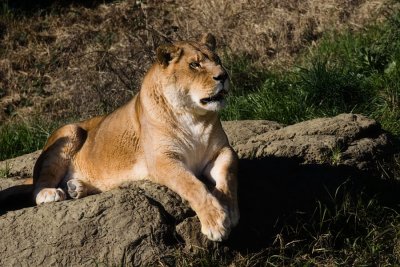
(168, 133)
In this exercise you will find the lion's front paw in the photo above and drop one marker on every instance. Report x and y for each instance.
(232, 206)
(215, 222)
(46, 195)
(76, 188)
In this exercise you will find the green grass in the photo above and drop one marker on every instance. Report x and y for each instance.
(346, 72)
(5, 172)
(19, 138)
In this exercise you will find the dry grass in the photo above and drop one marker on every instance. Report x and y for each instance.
(75, 61)
(83, 56)
(274, 31)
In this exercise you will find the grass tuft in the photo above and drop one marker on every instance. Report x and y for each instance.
(5, 172)
(23, 137)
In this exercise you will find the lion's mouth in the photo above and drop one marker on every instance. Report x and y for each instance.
(215, 98)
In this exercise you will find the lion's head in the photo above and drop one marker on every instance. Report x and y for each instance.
(194, 76)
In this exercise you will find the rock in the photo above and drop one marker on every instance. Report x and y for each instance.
(121, 227)
(188, 230)
(240, 132)
(347, 139)
(283, 169)
(20, 166)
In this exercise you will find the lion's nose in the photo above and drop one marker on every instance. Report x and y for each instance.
(221, 77)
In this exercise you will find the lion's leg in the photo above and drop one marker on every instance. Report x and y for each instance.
(53, 163)
(223, 172)
(213, 216)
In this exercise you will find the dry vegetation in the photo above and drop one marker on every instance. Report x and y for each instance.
(63, 61)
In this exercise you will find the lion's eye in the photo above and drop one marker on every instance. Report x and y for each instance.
(194, 65)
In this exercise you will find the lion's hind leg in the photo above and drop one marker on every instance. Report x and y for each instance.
(53, 164)
(77, 188)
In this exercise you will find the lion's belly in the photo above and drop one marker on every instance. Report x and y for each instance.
(104, 179)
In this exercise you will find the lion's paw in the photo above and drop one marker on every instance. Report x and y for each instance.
(232, 206)
(47, 195)
(215, 222)
(76, 188)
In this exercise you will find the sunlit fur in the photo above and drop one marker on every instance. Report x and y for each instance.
(166, 134)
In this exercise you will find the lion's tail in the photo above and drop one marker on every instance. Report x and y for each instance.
(17, 197)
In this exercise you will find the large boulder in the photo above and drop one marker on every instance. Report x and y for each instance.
(347, 139)
(122, 227)
(282, 169)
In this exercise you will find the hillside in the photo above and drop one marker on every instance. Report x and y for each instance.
(79, 58)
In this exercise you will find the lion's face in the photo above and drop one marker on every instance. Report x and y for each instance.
(197, 80)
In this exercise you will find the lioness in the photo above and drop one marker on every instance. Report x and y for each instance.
(168, 133)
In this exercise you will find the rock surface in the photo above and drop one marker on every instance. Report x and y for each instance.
(347, 139)
(119, 227)
(282, 169)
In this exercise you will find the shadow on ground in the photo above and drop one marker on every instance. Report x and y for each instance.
(271, 191)
(15, 198)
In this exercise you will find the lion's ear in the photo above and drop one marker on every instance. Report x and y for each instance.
(166, 53)
(209, 40)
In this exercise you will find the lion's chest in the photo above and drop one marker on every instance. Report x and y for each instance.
(196, 156)
(196, 145)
